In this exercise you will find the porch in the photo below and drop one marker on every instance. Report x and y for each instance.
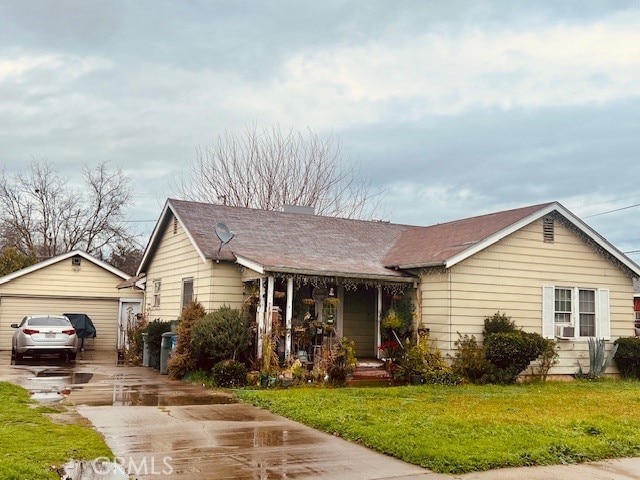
(304, 316)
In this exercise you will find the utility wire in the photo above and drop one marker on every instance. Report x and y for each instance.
(611, 211)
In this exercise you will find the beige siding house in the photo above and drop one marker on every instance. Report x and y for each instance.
(74, 282)
(540, 265)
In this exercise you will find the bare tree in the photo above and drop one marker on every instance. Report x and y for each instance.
(40, 214)
(268, 168)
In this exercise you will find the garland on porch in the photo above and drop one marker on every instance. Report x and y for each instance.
(349, 284)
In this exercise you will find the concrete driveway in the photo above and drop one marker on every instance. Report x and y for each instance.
(165, 429)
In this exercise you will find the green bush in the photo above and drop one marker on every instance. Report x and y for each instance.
(628, 356)
(506, 353)
(469, 361)
(441, 377)
(229, 373)
(498, 323)
(220, 335)
(154, 340)
(511, 353)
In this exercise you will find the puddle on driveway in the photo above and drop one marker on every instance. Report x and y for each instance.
(75, 378)
(264, 437)
(135, 398)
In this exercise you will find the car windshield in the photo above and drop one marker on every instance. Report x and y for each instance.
(48, 322)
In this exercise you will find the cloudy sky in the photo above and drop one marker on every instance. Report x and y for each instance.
(453, 108)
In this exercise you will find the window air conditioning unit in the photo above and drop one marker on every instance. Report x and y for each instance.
(565, 331)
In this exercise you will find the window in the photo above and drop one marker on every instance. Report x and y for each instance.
(187, 292)
(563, 305)
(573, 312)
(156, 293)
(587, 312)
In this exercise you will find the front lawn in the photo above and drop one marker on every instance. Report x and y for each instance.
(31, 443)
(470, 428)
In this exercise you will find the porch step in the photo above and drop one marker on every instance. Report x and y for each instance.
(370, 372)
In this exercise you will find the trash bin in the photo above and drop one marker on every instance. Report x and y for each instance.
(168, 343)
(146, 360)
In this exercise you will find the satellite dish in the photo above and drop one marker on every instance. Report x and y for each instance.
(224, 235)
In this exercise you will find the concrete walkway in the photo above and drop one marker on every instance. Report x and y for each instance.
(166, 429)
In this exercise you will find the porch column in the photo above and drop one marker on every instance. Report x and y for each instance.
(260, 317)
(288, 317)
(269, 319)
(378, 317)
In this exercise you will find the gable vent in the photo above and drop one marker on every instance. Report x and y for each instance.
(76, 261)
(175, 225)
(547, 229)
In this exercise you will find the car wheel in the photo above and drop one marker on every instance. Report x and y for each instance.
(13, 355)
(72, 357)
(19, 356)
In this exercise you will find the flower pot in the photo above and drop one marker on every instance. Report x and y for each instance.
(415, 379)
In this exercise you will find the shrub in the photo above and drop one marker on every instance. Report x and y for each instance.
(441, 377)
(154, 340)
(547, 359)
(470, 362)
(229, 373)
(182, 360)
(418, 358)
(628, 356)
(498, 323)
(220, 335)
(341, 362)
(511, 353)
(134, 349)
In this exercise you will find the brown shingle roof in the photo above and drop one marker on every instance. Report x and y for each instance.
(295, 242)
(421, 246)
(292, 241)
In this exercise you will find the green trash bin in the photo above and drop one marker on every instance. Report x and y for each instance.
(167, 346)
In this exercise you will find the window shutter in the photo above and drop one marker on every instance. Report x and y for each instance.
(548, 311)
(604, 317)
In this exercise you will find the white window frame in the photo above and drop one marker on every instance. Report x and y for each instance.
(157, 285)
(184, 281)
(602, 312)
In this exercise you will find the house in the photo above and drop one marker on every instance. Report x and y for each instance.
(539, 264)
(74, 282)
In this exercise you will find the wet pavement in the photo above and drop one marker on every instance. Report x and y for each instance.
(159, 428)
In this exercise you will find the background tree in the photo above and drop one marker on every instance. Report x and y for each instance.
(40, 214)
(126, 257)
(12, 260)
(267, 168)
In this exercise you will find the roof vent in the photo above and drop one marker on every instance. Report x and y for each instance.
(547, 229)
(298, 209)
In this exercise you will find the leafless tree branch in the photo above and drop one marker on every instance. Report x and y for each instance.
(40, 214)
(267, 168)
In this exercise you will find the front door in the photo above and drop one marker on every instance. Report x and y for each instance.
(359, 320)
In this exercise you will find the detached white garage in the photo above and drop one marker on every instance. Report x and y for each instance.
(74, 282)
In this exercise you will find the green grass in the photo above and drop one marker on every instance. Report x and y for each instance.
(30, 442)
(472, 428)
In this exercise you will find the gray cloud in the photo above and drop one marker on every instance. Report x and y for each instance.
(454, 108)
